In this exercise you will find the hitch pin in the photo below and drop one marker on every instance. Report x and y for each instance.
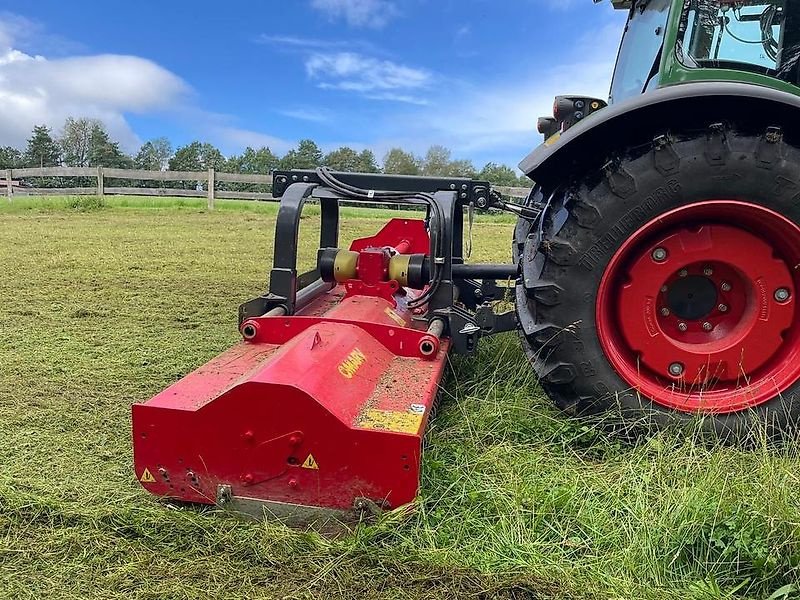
(436, 328)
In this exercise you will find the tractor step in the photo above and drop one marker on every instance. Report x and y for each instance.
(316, 416)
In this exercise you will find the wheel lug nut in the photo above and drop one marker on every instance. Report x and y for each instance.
(782, 294)
(683, 327)
(676, 369)
(708, 271)
(665, 312)
(683, 273)
(723, 308)
(707, 326)
(726, 287)
(664, 289)
(660, 254)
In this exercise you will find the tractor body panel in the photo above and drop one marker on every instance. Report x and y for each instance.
(634, 118)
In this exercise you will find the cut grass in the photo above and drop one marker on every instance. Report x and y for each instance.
(103, 306)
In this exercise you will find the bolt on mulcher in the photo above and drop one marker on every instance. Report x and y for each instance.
(656, 268)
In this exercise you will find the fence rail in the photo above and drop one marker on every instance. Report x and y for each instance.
(209, 179)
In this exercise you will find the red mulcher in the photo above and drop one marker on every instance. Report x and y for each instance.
(318, 414)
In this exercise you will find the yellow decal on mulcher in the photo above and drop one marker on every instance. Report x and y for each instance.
(389, 420)
(310, 463)
(352, 363)
(147, 477)
(395, 317)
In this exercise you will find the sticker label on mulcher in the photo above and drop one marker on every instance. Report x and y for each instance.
(147, 477)
(310, 463)
(387, 420)
(395, 317)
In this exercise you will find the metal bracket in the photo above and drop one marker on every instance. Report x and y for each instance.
(326, 521)
(492, 323)
(468, 190)
(464, 331)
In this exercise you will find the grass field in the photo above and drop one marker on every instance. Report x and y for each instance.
(103, 306)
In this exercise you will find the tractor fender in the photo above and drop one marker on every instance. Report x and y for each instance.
(637, 120)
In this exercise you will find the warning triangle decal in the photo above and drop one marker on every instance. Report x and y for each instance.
(147, 477)
(310, 463)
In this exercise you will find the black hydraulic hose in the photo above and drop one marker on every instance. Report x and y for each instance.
(350, 191)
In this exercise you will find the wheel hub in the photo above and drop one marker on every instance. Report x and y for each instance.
(697, 309)
(691, 298)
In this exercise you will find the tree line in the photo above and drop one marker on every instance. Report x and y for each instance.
(86, 143)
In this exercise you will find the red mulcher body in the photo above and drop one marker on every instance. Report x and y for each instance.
(321, 410)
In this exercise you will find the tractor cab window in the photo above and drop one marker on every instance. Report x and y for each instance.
(640, 52)
(760, 36)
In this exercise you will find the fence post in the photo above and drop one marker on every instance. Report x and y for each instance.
(9, 186)
(101, 184)
(211, 183)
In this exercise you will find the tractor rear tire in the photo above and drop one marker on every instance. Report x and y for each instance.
(663, 286)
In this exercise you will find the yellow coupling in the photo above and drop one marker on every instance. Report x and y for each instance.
(345, 266)
(398, 269)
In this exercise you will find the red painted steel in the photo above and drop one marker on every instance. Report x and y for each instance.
(318, 409)
(743, 351)
(406, 236)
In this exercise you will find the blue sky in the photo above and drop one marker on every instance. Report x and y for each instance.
(470, 74)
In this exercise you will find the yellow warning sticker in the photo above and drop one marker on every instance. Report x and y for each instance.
(387, 420)
(310, 463)
(395, 317)
(147, 477)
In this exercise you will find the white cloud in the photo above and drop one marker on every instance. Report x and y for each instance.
(354, 72)
(313, 115)
(374, 14)
(35, 90)
(305, 44)
(419, 100)
(499, 117)
(234, 139)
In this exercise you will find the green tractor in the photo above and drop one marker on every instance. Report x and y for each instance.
(662, 278)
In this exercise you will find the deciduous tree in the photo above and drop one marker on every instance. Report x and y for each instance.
(343, 159)
(76, 141)
(400, 162)
(154, 155)
(499, 175)
(437, 162)
(307, 155)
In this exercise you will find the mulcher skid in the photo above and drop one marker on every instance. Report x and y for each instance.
(319, 413)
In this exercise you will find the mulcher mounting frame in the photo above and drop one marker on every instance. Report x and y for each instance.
(464, 299)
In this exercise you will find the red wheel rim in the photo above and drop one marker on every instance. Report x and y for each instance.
(696, 310)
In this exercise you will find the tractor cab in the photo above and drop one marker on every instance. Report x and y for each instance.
(674, 41)
(669, 42)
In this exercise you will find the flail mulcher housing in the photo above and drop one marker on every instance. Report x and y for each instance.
(318, 414)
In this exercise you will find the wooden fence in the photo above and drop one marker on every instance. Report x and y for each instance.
(206, 183)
